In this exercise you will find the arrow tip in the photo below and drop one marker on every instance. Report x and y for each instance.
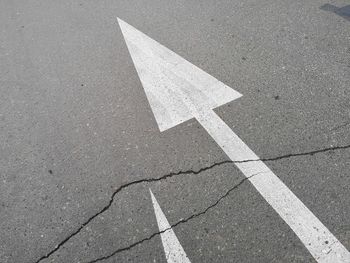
(176, 90)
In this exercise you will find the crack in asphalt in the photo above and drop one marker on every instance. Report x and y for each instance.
(106, 207)
(311, 153)
(169, 175)
(182, 221)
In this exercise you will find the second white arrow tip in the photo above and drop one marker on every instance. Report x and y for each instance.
(173, 250)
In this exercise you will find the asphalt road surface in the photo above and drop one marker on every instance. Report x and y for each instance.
(80, 148)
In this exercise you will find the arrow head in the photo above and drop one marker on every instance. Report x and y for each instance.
(176, 89)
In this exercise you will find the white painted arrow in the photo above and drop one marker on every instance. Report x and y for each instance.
(178, 91)
(173, 250)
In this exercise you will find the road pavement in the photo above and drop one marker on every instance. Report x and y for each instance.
(81, 148)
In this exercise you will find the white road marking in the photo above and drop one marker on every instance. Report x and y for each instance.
(178, 91)
(173, 250)
(158, 66)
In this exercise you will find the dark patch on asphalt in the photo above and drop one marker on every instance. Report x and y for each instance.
(340, 11)
(276, 97)
(50, 171)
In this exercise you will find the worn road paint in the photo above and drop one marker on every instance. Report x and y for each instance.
(174, 252)
(178, 91)
(158, 66)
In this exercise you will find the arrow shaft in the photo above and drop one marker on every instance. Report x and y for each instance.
(320, 242)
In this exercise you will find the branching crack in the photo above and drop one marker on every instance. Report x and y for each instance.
(106, 207)
(182, 221)
(149, 180)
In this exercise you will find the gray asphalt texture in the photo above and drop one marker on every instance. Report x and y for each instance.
(76, 129)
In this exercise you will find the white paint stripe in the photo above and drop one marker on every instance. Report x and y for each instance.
(321, 243)
(178, 90)
(173, 250)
